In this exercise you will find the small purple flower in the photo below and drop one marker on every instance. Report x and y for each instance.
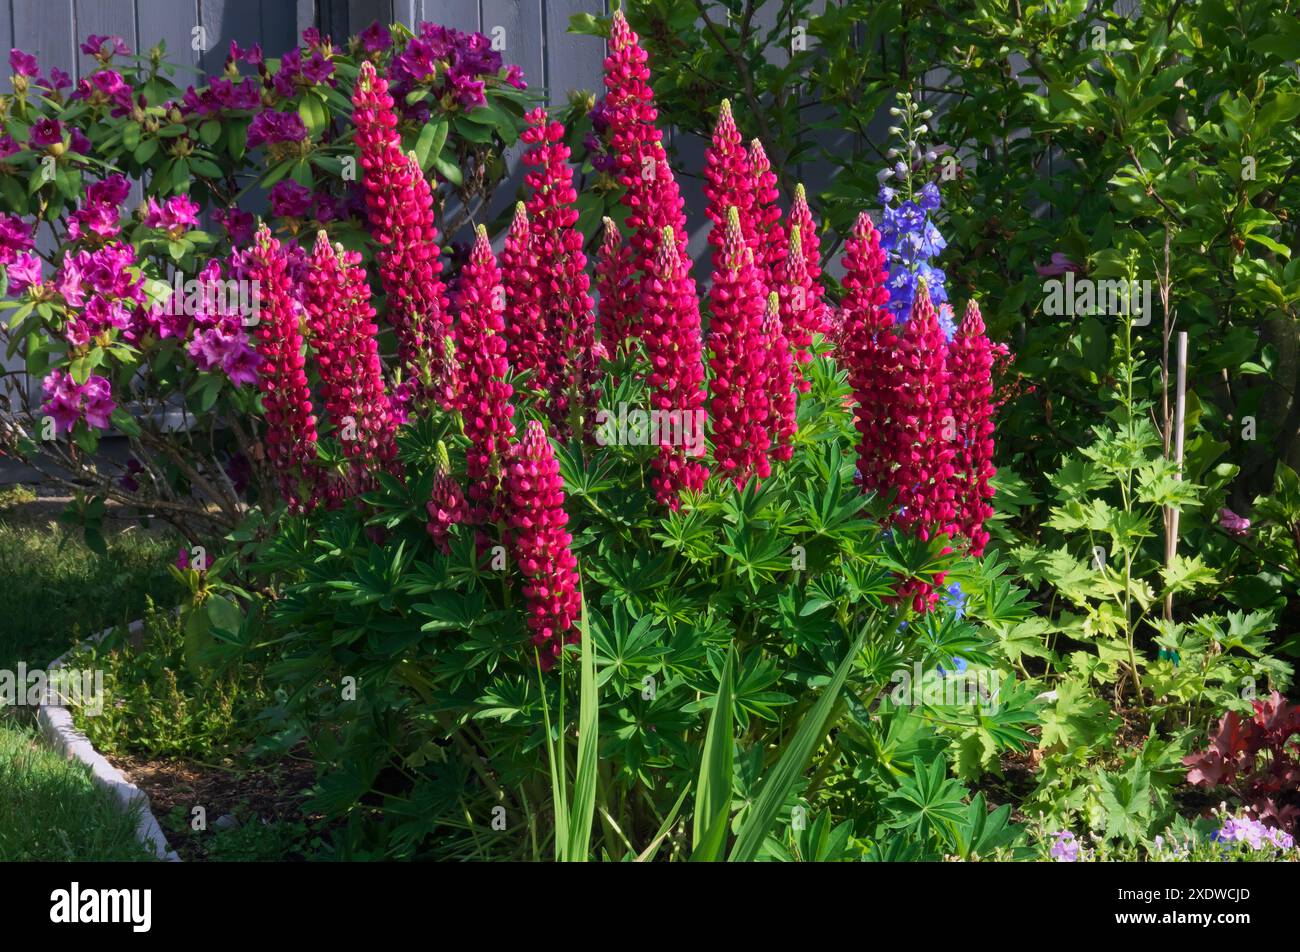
(182, 558)
(128, 479)
(238, 223)
(1236, 526)
(79, 142)
(1065, 849)
(318, 69)
(1059, 264)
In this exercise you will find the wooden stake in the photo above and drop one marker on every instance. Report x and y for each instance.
(1171, 514)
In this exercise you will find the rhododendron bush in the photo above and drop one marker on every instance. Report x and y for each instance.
(136, 286)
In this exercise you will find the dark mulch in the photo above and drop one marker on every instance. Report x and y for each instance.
(267, 794)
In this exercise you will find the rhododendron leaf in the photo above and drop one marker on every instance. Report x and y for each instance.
(429, 144)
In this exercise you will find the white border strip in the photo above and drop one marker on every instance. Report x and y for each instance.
(57, 727)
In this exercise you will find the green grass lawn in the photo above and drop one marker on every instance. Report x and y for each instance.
(54, 590)
(51, 811)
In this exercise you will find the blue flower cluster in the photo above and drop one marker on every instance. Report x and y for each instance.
(909, 236)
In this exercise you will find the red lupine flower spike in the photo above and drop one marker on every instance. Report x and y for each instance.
(924, 431)
(781, 384)
(803, 312)
(344, 339)
(569, 371)
(740, 406)
(446, 506)
(727, 183)
(970, 362)
(399, 205)
(484, 372)
(615, 283)
(282, 378)
(768, 234)
(650, 191)
(525, 332)
(869, 349)
(673, 345)
(542, 545)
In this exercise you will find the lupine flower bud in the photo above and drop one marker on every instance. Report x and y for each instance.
(615, 283)
(781, 385)
(446, 506)
(542, 544)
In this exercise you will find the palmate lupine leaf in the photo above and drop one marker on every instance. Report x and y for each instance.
(927, 802)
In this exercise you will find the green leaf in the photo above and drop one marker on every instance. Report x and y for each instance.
(584, 781)
(429, 145)
(713, 789)
(792, 762)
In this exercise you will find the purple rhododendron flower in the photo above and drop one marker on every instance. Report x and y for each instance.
(44, 133)
(23, 64)
(66, 401)
(1236, 526)
(15, 237)
(290, 199)
(1059, 264)
(24, 271)
(376, 38)
(175, 216)
(95, 45)
(271, 127)
(59, 79)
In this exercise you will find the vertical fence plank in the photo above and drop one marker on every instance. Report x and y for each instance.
(171, 22)
(459, 14)
(45, 29)
(105, 20)
(572, 62)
